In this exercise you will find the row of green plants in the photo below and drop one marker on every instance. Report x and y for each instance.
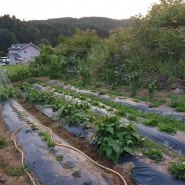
(163, 123)
(105, 131)
(112, 133)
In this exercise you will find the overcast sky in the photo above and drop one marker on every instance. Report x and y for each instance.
(46, 9)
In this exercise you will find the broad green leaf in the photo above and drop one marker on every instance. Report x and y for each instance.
(136, 135)
(116, 149)
(128, 149)
(108, 151)
(129, 142)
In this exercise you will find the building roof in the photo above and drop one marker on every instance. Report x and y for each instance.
(20, 46)
(15, 55)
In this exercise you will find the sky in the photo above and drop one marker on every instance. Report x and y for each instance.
(47, 9)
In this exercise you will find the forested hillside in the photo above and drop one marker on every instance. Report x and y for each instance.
(13, 30)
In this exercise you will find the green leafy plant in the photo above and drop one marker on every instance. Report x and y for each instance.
(151, 122)
(177, 169)
(69, 165)
(152, 87)
(14, 170)
(178, 103)
(7, 92)
(114, 137)
(3, 142)
(47, 138)
(79, 117)
(155, 154)
(166, 128)
(121, 112)
(59, 158)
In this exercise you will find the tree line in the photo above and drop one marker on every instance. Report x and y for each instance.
(13, 30)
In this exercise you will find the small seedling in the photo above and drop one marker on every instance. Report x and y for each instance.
(76, 173)
(59, 158)
(68, 165)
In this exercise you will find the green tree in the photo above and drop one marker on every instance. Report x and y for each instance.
(6, 39)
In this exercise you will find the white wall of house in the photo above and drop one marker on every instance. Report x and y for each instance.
(28, 52)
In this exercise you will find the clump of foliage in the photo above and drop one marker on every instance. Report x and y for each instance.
(7, 92)
(3, 142)
(115, 138)
(151, 122)
(47, 138)
(59, 158)
(121, 112)
(152, 87)
(74, 114)
(14, 170)
(79, 117)
(166, 128)
(155, 154)
(36, 96)
(178, 103)
(177, 169)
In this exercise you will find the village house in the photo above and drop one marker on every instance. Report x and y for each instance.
(22, 53)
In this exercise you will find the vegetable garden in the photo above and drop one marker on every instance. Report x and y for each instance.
(112, 129)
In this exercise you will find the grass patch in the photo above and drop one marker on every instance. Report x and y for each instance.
(14, 171)
(3, 142)
(155, 154)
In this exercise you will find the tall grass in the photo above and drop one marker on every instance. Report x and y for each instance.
(17, 72)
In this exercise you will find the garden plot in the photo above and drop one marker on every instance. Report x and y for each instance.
(54, 164)
(171, 142)
(164, 110)
(49, 112)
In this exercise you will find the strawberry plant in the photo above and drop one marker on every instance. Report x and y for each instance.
(115, 138)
